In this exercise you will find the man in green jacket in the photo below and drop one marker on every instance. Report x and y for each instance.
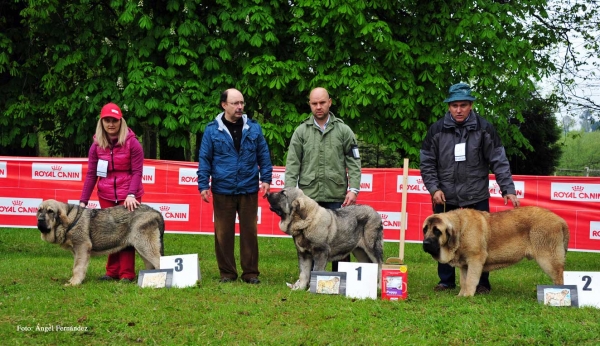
(323, 158)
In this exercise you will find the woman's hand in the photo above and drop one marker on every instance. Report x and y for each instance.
(131, 203)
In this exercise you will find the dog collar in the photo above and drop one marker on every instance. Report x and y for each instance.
(74, 222)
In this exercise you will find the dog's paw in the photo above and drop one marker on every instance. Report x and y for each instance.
(294, 286)
(298, 286)
(73, 282)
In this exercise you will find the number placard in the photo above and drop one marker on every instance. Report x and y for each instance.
(186, 270)
(361, 279)
(588, 287)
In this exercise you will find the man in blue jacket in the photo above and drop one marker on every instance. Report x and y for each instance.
(235, 155)
(457, 154)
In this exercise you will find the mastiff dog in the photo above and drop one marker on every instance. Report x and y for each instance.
(101, 231)
(322, 235)
(477, 241)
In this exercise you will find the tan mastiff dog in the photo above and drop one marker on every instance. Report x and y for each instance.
(477, 241)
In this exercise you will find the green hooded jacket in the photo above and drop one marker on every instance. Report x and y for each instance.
(317, 161)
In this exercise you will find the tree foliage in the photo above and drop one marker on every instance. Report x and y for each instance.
(387, 64)
(543, 133)
(577, 22)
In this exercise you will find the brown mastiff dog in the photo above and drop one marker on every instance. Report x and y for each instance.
(477, 241)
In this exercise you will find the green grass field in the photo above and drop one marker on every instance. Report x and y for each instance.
(34, 304)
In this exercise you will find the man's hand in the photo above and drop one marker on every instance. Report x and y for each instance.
(350, 199)
(205, 194)
(513, 198)
(265, 188)
(439, 197)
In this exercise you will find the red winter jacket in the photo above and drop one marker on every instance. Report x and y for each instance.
(125, 168)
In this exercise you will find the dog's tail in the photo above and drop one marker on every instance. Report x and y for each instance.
(373, 233)
(565, 231)
(161, 228)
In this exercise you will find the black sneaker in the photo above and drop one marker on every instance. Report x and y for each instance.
(442, 287)
(482, 289)
(253, 281)
(106, 278)
(225, 280)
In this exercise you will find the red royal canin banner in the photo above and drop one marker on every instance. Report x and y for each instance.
(172, 188)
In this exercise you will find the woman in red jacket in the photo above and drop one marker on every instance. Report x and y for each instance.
(115, 161)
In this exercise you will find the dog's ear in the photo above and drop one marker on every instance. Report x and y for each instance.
(299, 208)
(61, 215)
(451, 235)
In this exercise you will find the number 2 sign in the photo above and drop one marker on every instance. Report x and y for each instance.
(588, 287)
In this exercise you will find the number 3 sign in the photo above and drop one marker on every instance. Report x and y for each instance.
(588, 287)
(186, 270)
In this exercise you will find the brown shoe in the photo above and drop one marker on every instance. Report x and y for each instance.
(482, 289)
(442, 287)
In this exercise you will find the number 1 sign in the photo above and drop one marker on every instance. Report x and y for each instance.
(361, 279)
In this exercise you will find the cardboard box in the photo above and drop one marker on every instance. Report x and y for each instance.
(394, 282)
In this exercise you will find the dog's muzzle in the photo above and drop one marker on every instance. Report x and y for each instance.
(432, 247)
(41, 225)
(272, 199)
(277, 211)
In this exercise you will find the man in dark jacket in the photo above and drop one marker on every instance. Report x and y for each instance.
(457, 154)
(235, 155)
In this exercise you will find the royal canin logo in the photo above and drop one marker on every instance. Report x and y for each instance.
(164, 208)
(276, 175)
(577, 188)
(56, 168)
(17, 202)
(419, 181)
(384, 216)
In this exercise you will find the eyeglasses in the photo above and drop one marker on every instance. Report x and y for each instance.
(238, 103)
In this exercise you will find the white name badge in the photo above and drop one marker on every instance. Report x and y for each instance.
(355, 153)
(588, 287)
(102, 168)
(460, 152)
(361, 279)
(186, 271)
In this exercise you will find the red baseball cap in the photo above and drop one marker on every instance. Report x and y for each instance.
(111, 110)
